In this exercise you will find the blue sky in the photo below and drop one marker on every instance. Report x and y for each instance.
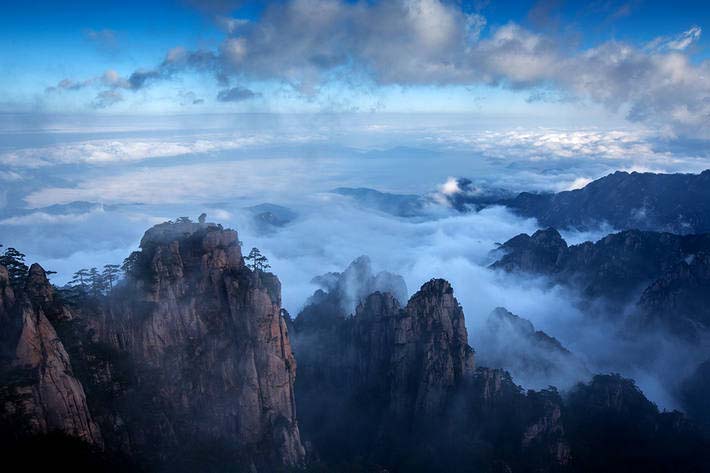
(482, 57)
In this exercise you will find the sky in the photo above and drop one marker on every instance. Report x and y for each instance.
(641, 61)
(118, 116)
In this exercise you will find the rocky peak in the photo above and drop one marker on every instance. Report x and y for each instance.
(539, 253)
(408, 362)
(212, 331)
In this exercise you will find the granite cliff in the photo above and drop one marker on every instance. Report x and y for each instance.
(188, 359)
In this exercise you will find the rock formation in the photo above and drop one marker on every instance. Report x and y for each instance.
(666, 274)
(189, 359)
(209, 331)
(39, 392)
(384, 371)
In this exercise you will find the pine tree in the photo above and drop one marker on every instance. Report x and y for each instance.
(96, 282)
(110, 274)
(131, 265)
(256, 261)
(81, 279)
(14, 262)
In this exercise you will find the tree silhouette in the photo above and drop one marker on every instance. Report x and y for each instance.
(14, 262)
(96, 282)
(110, 274)
(81, 279)
(131, 265)
(256, 261)
(202, 218)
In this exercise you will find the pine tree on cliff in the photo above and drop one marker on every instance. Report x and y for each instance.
(14, 261)
(132, 264)
(256, 261)
(81, 278)
(97, 282)
(110, 274)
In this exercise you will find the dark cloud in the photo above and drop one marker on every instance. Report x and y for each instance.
(236, 94)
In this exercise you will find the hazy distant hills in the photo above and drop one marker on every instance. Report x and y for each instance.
(678, 203)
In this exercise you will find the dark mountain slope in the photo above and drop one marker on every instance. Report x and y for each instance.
(678, 203)
(666, 274)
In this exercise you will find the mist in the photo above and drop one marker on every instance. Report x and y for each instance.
(225, 166)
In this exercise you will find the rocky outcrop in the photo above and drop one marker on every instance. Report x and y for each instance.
(534, 358)
(384, 371)
(682, 291)
(665, 274)
(543, 252)
(39, 392)
(212, 350)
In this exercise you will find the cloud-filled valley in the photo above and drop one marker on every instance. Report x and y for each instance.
(96, 207)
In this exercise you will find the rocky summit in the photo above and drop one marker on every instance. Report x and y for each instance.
(190, 357)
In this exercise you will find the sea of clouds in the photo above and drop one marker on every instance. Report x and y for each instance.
(76, 195)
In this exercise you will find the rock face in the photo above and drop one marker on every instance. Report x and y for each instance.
(666, 274)
(39, 392)
(384, 371)
(678, 203)
(208, 333)
(186, 366)
(534, 358)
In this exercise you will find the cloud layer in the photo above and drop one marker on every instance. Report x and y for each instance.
(310, 43)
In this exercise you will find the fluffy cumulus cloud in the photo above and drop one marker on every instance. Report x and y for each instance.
(308, 43)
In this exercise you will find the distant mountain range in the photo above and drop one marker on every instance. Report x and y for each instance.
(665, 275)
(677, 203)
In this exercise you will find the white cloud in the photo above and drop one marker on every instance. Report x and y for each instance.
(43, 218)
(307, 43)
(204, 182)
(126, 150)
